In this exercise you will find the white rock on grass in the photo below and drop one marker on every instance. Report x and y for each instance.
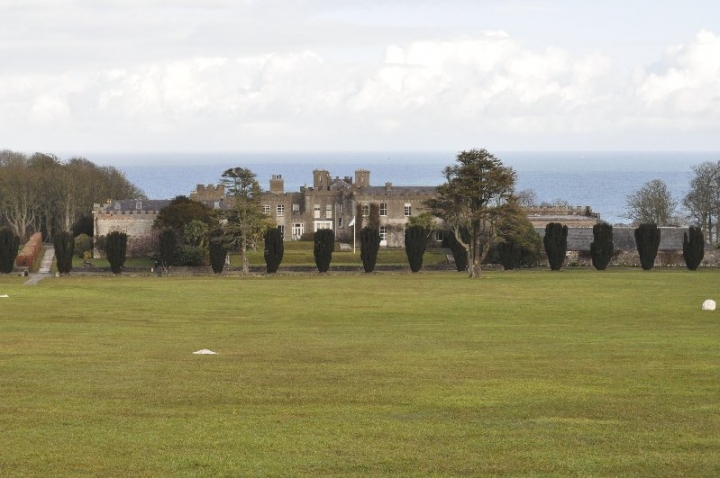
(708, 305)
(205, 352)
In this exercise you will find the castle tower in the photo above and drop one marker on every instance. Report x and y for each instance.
(362, 178)
(277, 184)
(321, 179)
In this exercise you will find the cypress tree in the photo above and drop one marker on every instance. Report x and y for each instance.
(9, 244)
(168, 245)
(693, 247)
(415, 244)
(64, 244)
(458, 251)
(323, 248)
(555, 242)
(647, 240)
(217, 248)
(369, 247)
(116, 248)
(602, 247)
(274, 249)
(509, 254)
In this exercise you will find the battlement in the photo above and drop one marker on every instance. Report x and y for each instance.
(208, 192)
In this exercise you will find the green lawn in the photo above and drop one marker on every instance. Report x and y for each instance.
(528, 373)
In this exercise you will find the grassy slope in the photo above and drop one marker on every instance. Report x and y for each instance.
(529, 373)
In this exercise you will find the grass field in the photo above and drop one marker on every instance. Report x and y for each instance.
(529, 373)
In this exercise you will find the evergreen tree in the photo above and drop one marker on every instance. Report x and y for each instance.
(647, 240)
(602, 247)
(415, 245)
(555, 242)
(218, 246)
(458, 250)
(168, 242)
(64, 244)
(693, 247)
(323, 248)
(9, 244)
(509, 254)
(116, 248)
(369, 247)
(274, 249)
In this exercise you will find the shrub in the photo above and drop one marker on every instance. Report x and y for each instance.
(323, 249)
(116, 248)
(9, 244)
(602, 247)
(555, 242)
(693, 247)
(64, 246)
(415, 245)
(369, 247)
(647, 240)
(30, 251)
(189, 256)
(83, 243)
(274, 249)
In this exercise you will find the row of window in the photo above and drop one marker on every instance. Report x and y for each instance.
(280, 210)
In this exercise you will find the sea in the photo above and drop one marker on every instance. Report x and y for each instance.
(600, 180)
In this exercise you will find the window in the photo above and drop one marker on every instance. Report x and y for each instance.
(339, 209)
(316, 211)
(280, 210)
(408, 209)
(365, 210)
(266, 209)
(383, 233)
(296, 208)
(340, 223)
(328, 211)
(298, 230)
(383, 209)
(138, 205)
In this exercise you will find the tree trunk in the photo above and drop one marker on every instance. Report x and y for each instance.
(243, 255)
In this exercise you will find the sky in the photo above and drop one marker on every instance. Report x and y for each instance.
(364, 75)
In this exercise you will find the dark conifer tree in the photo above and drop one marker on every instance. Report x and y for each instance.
(116, 249)
(9, 244)
(64, 244)
(416, 238)
(693, 247)
(602, 247)
(274, 249)
(323, 248)
(168, 242)
(647, 240)
(509, 254)
(217, 248)
(369, 247)
(458, 251)
(555, 242)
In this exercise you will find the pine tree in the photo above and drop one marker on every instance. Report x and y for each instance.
(602, 247)
(693, 247)
(274, 249)
(647, 240)
(9, 244)
(555, 242)
(64, 244)
(323, 249)
(369, 247)
(116, 248)
(415, 245)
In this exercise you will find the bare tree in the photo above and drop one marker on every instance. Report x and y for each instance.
(703, 199)
(651, 204)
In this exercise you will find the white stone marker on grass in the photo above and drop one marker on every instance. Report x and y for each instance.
(708, 305)
(205, 352)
